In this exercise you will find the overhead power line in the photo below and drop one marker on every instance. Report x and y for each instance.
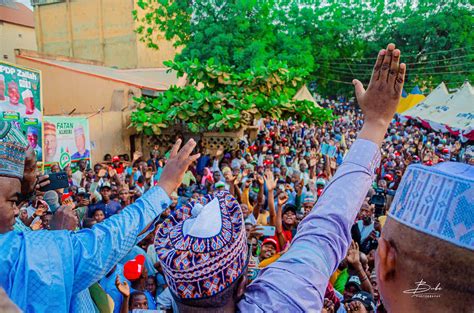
(413, 55)
(413, 63)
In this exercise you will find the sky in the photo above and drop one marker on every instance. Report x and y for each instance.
(26, 2)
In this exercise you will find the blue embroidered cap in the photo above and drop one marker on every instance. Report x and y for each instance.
(13, 145)
(202, 246)
(438, 201)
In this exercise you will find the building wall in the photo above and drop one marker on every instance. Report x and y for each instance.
(101, 30)
(15, 37)
(65, 90)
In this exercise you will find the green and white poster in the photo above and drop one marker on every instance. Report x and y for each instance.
(20, 101)
(66, 140)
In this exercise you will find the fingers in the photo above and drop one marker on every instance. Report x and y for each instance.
(359, 88)
(175, 149)
(187, 149)
(393, 72)
(387, 60)
(377, 66)
(193, 158)
(400, 80)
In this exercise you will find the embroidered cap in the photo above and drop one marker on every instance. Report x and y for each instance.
(438, 201)
(202, 247)
(13, 145)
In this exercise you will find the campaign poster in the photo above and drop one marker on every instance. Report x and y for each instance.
(21, 102)
(66, 141)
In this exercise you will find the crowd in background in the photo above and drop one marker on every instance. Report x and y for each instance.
(277, 178)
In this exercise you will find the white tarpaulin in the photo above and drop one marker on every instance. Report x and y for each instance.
(447, 113)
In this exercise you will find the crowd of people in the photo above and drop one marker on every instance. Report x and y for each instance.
(278, 180)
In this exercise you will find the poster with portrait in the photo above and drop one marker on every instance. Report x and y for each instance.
(66, 140)
(21, 101)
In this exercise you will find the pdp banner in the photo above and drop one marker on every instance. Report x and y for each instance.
(66, 140)
(20, 101)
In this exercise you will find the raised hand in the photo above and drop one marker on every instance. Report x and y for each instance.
(260, 180)
(355, 306)
(353, 255)
(65, 218)
(178, 163)
(270, 180)
(123, 288)
(282, 199)
(379, 102)
(36, 225)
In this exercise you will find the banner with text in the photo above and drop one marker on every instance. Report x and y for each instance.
(66, 140)
(20, 101)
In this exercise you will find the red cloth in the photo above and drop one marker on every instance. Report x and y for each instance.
(331, 295)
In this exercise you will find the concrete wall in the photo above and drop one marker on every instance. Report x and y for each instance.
(101, 30)
(15, 37)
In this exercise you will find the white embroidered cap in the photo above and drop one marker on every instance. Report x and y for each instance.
(438, 201)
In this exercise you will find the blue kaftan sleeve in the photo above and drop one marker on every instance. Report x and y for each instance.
(98, 249)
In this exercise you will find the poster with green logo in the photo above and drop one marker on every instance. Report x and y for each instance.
(20, 101)
(66, 140)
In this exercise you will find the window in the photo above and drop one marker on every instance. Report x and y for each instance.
(5, 57)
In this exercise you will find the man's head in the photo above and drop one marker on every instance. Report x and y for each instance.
(80, 139)
(82, 165)
(50, 141)
(135, 270)
(268, 249)
(46, 220)
(106, 192)
(215, 231)
(13, 146)
(174, 200)
(352, 286)
(13, 93)
(99, 215)
(366, 213)
(365, 299)
(289, 216)
(124, 195)
(308, 204)
(32, 136)
(427, 241)
(138, 301)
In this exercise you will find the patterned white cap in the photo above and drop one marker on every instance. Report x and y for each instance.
(27, 94)
(438, 201)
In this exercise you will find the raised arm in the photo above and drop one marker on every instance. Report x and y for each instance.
(101, 247)
(271, 185)
(323, 237)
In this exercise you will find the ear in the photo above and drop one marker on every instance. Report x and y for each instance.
(387, 260)
(242, 285)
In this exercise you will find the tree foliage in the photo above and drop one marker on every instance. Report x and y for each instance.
(220, 98)
(334, 41)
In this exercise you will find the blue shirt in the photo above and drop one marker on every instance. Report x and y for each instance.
(109, 209)
(46, 271)
(108, 283)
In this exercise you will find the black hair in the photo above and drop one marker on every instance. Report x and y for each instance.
(136, 294)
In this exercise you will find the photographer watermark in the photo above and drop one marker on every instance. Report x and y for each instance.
(424, 290)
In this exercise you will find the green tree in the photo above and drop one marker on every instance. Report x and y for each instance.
(218, 98)
(335, 41)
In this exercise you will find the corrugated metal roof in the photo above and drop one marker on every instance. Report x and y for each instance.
(150, 78)
(17, 13)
